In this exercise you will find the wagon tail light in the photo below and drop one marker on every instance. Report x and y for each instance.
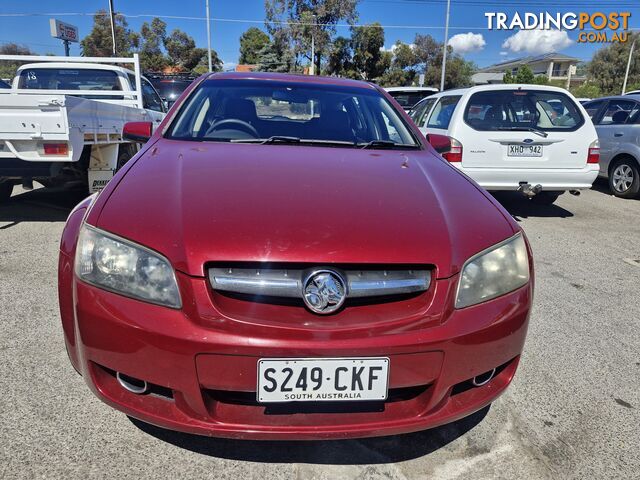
(594, 152)
(59, 149)
(455, 152)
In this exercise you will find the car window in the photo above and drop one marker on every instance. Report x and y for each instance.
(408, 98)
(619, 112)
(593, 107)
(69, 79)
(150, 98)
(419, 115)
(522, 109)
(442, 112)
(245, 110)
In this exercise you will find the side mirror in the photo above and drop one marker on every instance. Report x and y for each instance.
(441, 143)
(137, 131)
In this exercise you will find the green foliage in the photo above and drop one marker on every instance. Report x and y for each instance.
(153, 37)
(541, 80)
(508, 77)
(8, 69)
(404, 56)
(251, 42)
(291, 24)
(183, 53)
(368, 58)
(272, 59)
(586, 90)
(524, 75)
(340, 59)
(98, 43)
(607, 68)
(396, 77)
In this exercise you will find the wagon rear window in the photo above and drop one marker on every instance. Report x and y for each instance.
(522, 109)
(68, 79)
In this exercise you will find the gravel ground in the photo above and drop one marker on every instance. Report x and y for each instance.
(573, 410)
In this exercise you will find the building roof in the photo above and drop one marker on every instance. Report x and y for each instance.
(487, 77)
(547, 57)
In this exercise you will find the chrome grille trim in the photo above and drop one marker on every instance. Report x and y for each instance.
(288, 283)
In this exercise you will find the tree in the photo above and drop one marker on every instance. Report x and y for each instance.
(251, 42)
(404, 55)
(8, 69)
(508, 77)
(184, 54)
(396, 77)
(607, 68)
(98, 43)
(271, 59)
(340, 59)
(586, 90)
(524, 75)
(368, 58)
(292, 23)
(153, 37)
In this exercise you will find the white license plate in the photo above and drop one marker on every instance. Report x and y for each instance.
(524, 151)
(322, 379)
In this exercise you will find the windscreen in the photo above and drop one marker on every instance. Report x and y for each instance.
(522, 109)
(68, 79)
(262, 110)
(170, 89)
(408, 99)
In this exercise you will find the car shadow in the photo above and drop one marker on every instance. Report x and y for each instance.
(521, 207)
(40, 205)
(365, 451)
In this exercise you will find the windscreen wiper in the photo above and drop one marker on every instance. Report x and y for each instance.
(282, 139)
(525, 129)
(385, 144)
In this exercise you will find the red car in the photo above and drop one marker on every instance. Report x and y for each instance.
(288, 258)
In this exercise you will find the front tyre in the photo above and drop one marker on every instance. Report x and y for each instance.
(545, 198)
(6, 189)
(624, 178)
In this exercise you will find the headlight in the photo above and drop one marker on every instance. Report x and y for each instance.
(121, 266)
(494, 272)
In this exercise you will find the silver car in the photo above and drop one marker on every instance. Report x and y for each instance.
(617, 121)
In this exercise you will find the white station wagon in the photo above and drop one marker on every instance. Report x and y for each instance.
(534, 139)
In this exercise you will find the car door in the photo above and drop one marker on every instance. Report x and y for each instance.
(616, 126)
(437, 119)
(521, 128)
(421, 111)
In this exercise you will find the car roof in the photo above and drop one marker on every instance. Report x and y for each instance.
(293, 78)
(628, 96)
(411, 89)
(79, 66)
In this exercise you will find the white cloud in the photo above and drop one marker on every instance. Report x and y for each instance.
(504, 54)
(537, 41)
(394, 47)
(467, 42)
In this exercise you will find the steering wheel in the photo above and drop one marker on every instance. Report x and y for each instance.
(246, 126)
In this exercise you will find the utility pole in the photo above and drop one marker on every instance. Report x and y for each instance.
(444, 53)
(312, 70)
(113, 27)
(209, 38)
(626, 75)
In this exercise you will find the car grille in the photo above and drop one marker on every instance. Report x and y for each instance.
(288, 282)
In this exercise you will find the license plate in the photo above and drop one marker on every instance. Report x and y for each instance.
(525, 151)
(322, 379)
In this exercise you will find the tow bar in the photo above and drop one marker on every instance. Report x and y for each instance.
(529, 190)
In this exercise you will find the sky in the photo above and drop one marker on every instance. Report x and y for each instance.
(468, 32)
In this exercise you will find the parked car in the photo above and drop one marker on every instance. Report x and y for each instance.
(287, 257)
(170, 86)
(407, 97)
(534, 139)
(617, 121)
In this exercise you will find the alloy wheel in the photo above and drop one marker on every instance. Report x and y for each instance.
(622, 178)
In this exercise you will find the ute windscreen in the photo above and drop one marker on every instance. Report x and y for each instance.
(287, 112)
(522, 109)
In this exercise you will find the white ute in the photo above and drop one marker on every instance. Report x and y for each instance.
(534, 139)
(63, 118)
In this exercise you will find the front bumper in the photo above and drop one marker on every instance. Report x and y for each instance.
(203, 373)
(554, 179)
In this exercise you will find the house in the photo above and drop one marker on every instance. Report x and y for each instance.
(555, 66)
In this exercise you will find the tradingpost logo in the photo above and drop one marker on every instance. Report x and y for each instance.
(595, 27)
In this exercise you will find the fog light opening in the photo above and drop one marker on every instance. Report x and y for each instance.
(132, 384)
(483, 378)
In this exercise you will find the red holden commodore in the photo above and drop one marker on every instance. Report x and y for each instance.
(288, 258)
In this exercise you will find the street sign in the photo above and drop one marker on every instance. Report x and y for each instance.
(421, 80)
(63, 31)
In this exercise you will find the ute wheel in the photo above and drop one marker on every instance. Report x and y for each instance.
(125, 152)
(6, 189)
(624, 178)
(545, 198)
